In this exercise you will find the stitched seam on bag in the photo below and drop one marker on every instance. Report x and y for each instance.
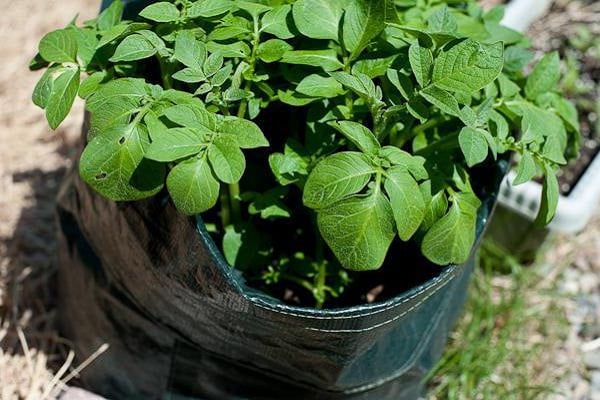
(370, 313)
(381, 323)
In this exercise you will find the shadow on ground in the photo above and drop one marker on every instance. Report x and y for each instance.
(28, 301)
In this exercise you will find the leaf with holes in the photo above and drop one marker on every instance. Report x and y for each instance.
(113, 164)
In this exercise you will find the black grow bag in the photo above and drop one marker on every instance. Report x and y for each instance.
(181, 323)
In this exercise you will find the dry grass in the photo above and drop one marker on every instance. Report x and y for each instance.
(32, 161)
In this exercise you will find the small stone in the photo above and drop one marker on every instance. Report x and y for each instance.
(591, 359)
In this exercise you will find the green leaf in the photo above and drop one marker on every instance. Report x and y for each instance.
(91, 84)
(526, 170)
(442, 21)
(226, 158)
(156, 41)
(227, 33)
(192, 186)
(161, 12)
(221, 76)
(232, 243)
(111, 16)
(63, 93)
(290, 166)
(538, 123)
(418, 109)
(326, 59)
(550, 196)
(544, 76)
(229, 50)
(114, 103)
(337, 177)
(59, 46)
(37, 63)
(436, 206)
(120, 31)
(190, 51)
(247, 134)
(498, 125)
(113, 164)
(176, 143)
(209, 8)
(450, 239)
(272, 50)
(516, 58)
(364, 20)
(421, 62)
(564, 108)
(473, 145)
(359, 231)
(42, 90)
(117, 91)
(318, 86)
(359, 83)
(213, 63)
(133, 47)
(442, 100)
(468, 66)
(253, 8)
(318, 19)
(190, 75)
(414, 164)
(553, 149)
(86, 44)
(270, 204)
(402, 82)
(507, 87)
(373, 67)
(275, 22)
(358, 135)
(192, 116)
(406, 200)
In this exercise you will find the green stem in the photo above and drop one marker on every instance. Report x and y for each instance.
(164, 73)
(445, 141)
(320, 284)
(407, 135)
(234, 199)
(321, 277)
(427, 125)
(225, 209)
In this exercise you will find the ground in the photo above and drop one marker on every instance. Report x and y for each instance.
(550, 343)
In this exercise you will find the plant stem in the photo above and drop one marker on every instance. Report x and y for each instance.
(164, 73)
(448, 140)
(321, 277)
(320, 284)
(234, 199)
(225, 208)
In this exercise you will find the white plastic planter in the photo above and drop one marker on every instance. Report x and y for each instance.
(520, 14)
(576, 209)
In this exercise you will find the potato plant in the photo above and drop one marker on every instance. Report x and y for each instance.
(310, 134)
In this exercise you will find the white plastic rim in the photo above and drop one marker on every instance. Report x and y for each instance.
(575, 210)
(520, 14)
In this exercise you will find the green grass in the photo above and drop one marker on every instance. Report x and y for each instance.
(501, 346)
